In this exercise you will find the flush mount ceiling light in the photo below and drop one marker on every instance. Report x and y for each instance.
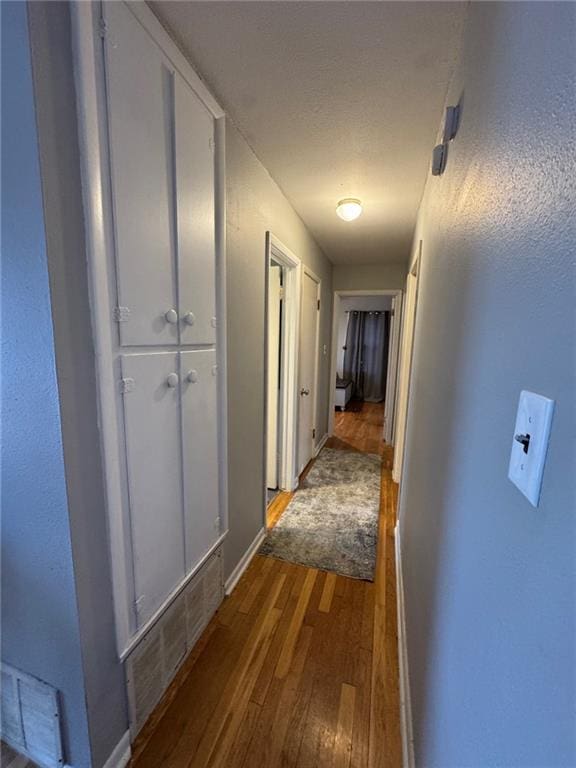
(349, 209)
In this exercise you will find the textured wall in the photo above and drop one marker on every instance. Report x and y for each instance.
(60, 171)
(40, 631)
(490, 580)
(255, 204)
(369, 277)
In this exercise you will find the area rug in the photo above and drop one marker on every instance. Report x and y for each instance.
(331, 522)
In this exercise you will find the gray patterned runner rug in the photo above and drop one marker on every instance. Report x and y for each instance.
(331, 521)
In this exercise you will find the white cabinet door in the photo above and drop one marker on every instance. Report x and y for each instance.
(140, 95)
(194, 164)
(200, 444)
(152, 428)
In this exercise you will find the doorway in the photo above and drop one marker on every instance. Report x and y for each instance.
(308, 367)
(282, 322)
(366, 331)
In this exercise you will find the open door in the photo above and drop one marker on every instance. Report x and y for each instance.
(310, 310)
(274, 362)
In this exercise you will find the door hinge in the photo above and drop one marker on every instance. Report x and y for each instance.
(121, 314)
(127, 385)
(102, 27)
(138, 603)
(281, 292)
(314, 434)
(318, 304)
(211, 144)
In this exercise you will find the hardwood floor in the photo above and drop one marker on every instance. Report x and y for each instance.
(299, 668)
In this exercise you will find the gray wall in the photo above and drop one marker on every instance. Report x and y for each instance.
(255, 204)
(489, 580)
(369, 277)
(40, 625)
(75, 364)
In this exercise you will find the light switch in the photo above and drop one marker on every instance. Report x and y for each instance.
(530, 444)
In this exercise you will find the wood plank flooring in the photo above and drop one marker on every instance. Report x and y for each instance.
(299, 667)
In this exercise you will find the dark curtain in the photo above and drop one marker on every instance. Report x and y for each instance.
(353, 369)
(366, 354)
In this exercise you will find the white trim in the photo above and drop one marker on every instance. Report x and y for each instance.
(288, 405)
(338, 295)
(321, 444)
(244, 562)
(92, 128)
(405, 705)
(121, 754)
(153, 26)
(405, 367)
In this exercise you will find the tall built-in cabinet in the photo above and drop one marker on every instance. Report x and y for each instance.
(153, 154)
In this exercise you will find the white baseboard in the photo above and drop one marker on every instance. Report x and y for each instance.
(121, 753)
(405, 706)
(321, 444)
(234, 577)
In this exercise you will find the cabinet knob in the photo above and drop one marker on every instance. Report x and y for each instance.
(189, 318)
(172, 380)
(171, 316)
(192, 376)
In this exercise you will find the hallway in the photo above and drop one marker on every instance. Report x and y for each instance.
(286, 672)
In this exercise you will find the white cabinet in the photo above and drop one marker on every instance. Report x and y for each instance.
(161, 141)
(199, 374)
(139, 86)
(151, 400)
(194, 152)
(163, 400)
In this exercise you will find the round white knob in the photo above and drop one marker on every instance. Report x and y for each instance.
(192, 376)
(171, 316)
(189, 318)
(172, 380)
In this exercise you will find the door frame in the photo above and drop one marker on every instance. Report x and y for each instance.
(392, 349)
(315, 439)
(289, 356)
(406, 359)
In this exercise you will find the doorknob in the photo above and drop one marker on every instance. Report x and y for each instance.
(304, 391)
(171, 316)
(172, 380)
(189, 318)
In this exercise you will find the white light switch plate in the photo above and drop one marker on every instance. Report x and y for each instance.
(534, 418)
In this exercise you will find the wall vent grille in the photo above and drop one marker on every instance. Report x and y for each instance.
(152, 665)
(31, 717)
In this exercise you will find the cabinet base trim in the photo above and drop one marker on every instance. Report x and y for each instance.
(236, 574)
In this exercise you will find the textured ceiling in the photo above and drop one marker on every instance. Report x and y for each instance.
(337, 99)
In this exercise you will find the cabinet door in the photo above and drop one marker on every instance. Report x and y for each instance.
(194, 153)
(140, 117)
(200, 444)
(152, 428)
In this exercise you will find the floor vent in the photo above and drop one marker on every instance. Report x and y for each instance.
(31, 717)
(153, 663)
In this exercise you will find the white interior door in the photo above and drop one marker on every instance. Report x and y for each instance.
(194, 164)
(152, 428)
(407, 344)
(307, 370)
(273, 352)
(140, 117)
(198, 374)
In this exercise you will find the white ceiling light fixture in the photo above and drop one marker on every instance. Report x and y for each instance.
(349, 208)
